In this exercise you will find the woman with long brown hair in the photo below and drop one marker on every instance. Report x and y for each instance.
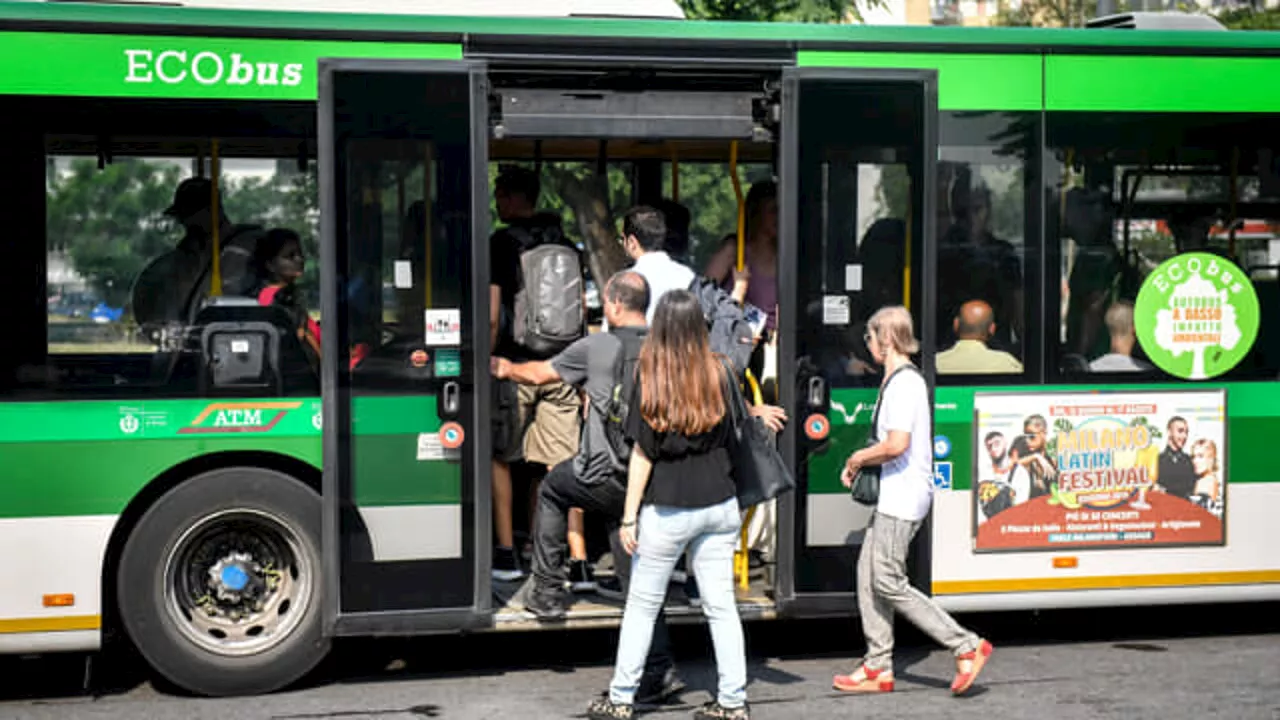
(680, 495)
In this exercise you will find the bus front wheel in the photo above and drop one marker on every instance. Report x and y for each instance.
(219, 585)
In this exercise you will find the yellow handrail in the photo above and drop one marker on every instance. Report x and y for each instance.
(906, 266)
(215, 220)
(742, 208)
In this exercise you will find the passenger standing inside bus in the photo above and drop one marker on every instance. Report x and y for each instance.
(680, 495)
(757, 282)
(542, 421)
(644, 238)
(905, 456)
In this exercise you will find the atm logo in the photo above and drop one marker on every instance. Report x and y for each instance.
(242, 417)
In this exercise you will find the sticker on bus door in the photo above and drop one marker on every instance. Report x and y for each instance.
(444, 327)
(835, 310)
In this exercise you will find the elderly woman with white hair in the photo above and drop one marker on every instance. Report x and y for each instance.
(904, 452)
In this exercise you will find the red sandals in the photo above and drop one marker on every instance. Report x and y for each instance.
(870, 682)
(979, 657)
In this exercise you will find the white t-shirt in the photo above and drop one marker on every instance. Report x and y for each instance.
(906, 482)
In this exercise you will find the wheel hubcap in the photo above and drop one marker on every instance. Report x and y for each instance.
(237, 582)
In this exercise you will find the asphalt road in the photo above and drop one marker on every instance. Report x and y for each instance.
(1167, 663)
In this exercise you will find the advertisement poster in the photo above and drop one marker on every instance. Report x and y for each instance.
(1096, 470)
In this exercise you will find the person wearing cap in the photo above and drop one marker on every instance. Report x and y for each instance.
(171, 288)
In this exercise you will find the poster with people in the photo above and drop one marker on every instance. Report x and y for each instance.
(1076, 470)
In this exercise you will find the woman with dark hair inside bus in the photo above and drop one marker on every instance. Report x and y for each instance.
(680, 495)
(278, 263)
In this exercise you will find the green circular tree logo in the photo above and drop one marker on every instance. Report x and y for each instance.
(1196, 316)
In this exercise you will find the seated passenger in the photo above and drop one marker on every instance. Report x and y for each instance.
(1119, 321)
(974, 326)
(171, 288)
(277, 264)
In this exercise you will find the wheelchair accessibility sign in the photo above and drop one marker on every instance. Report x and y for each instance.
(942, 475)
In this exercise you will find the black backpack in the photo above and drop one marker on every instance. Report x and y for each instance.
(731, 334)
(549, 313)
(614, 415)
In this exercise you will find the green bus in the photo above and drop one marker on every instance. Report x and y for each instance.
(208, 492)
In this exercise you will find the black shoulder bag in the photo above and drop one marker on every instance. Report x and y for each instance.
(866, 484)
(758, 469)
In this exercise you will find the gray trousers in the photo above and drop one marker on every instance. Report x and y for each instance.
(883, 590)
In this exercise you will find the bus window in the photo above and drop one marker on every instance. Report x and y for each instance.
(116, 226)
(985, 259)
(1128, 193)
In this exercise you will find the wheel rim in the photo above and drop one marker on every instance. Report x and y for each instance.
(237, 582)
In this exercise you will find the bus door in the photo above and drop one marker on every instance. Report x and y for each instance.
(859, 152)
(404, 262)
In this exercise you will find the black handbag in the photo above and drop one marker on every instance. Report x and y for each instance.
(758, 468)
(866, 484)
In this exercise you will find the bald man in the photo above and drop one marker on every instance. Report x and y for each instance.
(975, 325)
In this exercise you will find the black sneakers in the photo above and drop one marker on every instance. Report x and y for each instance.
(660, 692)
(545, 603)
(611, 588)
(506, 567)
(581, 577)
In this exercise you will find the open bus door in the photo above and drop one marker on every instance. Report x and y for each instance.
(858, 164)
(404, 263)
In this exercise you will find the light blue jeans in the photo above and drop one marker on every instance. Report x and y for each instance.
(711, 535)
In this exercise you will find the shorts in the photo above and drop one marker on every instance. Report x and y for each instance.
(536, 423)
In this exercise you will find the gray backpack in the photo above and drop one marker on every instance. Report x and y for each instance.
(549, 315)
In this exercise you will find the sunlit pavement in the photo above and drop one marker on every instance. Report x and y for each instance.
(1199, 662)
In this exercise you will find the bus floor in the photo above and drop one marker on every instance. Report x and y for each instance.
(592, 609)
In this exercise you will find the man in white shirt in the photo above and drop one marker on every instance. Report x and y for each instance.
(1119, 321)
(644, 237)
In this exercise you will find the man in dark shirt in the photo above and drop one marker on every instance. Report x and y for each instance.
(590, 480)
(1174, 472)
(542, 419)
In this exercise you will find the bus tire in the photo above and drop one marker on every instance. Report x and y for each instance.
(220, 586)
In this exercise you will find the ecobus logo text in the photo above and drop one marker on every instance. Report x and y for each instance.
(206, 68)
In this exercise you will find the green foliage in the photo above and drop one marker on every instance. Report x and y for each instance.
(1047, 13)
(1075, 13)
(1247, 18)
(707, 190)
(805, 11)
(110, 222)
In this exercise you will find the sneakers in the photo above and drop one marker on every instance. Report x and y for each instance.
(545, 603)
(581, 578)
(506, 568)
(611, 588)
(659, 693)
(606, 709)
(716, 711)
